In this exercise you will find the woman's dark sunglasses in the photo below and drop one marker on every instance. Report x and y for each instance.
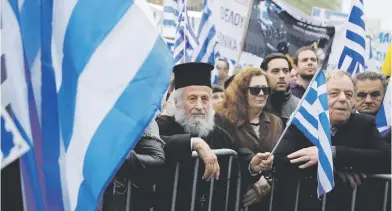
(256, 90)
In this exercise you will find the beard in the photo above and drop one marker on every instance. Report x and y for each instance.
(196, 127)
(307, 76)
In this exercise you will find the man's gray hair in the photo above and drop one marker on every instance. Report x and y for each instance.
(337, 72)
(177, 95)
(373, 76)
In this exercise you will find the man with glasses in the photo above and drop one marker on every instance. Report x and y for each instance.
(277, 67)
(370, 89)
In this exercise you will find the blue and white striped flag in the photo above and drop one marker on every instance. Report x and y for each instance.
(352, 59)
(170, 13)
(15, 127)
(312, 119)
(205, 51)
(383, 118)
(185, 40)
(13, 145)
(89, 96)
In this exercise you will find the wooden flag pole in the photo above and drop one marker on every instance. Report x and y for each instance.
(242, 43)
(185, 25)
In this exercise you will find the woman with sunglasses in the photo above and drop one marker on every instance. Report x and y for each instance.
(243, 116)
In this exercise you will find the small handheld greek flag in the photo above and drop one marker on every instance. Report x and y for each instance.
(312, 119)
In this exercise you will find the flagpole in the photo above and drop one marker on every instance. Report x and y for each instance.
(162, 17)
(295, 112)
(242, 43)
(185, 25)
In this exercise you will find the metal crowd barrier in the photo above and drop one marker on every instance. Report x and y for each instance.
(386, 177)
(232, 154)
(219, 153)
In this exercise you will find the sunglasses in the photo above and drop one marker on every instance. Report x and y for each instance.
(256, 90)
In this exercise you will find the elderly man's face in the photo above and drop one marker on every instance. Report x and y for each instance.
(369, 96)
(196, 101)
(340, 91)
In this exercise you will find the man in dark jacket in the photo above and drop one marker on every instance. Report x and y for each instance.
(140, 169)
(281, 102)
(193, 128)
(357, 149)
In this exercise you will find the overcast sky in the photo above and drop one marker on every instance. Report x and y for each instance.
(379, 9)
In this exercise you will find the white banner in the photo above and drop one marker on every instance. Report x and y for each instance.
(230, 17)
(379, 47)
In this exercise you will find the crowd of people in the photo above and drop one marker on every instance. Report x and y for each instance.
(247, 113)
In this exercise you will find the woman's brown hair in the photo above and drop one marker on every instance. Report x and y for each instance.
(234, 106)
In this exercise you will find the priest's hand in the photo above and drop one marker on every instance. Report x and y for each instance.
(261, 162)
(212, 169)
(308, 155)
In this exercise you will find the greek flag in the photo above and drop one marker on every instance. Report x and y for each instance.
(383, 117)
(205, 51)
(352, 59)
(85, 101)
(13, 145)
(170, 13)
(185, 40)
(312, 119)
(15, 122)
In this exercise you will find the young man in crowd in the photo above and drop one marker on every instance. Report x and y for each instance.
(306, 62)
(277, 67)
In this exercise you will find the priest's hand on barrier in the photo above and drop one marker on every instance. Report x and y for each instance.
(352, 178)
(307, 155)
(212, 169)
(261, 162)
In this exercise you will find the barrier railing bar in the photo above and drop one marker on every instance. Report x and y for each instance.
(228, 184)
(353, 199)
(237, 203)
(211, 193)
(323, 202)
(272, 194)
(297, 195)
(196, 173)
(129, 192)
(385, 201)
(218, 152)
(380, 176)
(174, 198)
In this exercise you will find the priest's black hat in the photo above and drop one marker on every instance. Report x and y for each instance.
(192, 74)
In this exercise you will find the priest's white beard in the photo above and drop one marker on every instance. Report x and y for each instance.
(196, 127)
